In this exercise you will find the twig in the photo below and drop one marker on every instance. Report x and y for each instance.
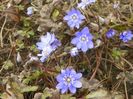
(125, 87)
(97, 66)
(1, 37)
(127, 62)
(6, 61)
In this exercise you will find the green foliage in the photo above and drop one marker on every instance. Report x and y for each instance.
(32, 77)
(67, 96)
(26, 33)
(46, 93)
(116, 53)
(8, 65)
(20, 7)
(29, 88)
(55, 14)
(33, 48)
(20, 44)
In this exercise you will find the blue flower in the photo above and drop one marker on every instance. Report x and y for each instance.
(45, 53)
(83, 40)
(55, 44)
(68, 80)
(110, 33)
(85, 3)
(48, 39)
(47, 45)
(74, 51)
(126, 36)
(74, 18)
(29, 10)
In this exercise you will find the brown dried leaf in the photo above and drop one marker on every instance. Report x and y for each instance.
(17, 1)
(13, 13)
(90, 85)
(37, 96)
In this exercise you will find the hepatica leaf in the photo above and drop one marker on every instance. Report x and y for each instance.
(29, 88)
(8, 64)
(55, 14)
(67, 96)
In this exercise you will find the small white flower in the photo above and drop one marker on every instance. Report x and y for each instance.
(30, 10)
(45, 53)
(19, 58)
(74, 51)
(85, 3)
(98, 43)
(116, 4)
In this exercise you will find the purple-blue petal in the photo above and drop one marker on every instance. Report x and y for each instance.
(72, 89)
(73, 72)
(60, 85)
(59, 78)
(90, 44)
(74, 22)
(84, 47)
(77, 84)
(79, 45)
(77, 76)
(74, 41)
(64, 89)
(66, 17)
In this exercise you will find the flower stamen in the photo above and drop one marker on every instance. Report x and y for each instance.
(83, 38)
(74, 17)
(68, 79)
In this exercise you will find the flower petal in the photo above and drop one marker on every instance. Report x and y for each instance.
(64, 89)
(77, 76)
(59, 78)
(74, 41)
(79, 45)
(72, 89)
(77, 84)
(66, 17)
(73, 72)
(90, 44)
(42, 59)
(60, 85)
(84, 47)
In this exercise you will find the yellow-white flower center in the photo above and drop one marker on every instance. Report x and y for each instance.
(74, 17)
(68, 79)
(83, 38)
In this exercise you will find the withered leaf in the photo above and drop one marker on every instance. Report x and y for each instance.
(13, 13)
(17, 1)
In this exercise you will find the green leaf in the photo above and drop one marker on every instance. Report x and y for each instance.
(8, 65)
(29, 88)
(55, 14)
(98, 94)
(67, 96)
(116, 53)
(36, 74)
(46, 93)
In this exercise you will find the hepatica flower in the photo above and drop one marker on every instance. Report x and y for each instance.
(46, 40)
(47, 45)
(45, 53)
(85, 3)
(110, 33)
(68, 80)
(126, 36)
(29, 10)
(74, 18)
(83, 40)
(74, 51)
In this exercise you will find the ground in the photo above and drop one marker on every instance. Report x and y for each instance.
(107, 68)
